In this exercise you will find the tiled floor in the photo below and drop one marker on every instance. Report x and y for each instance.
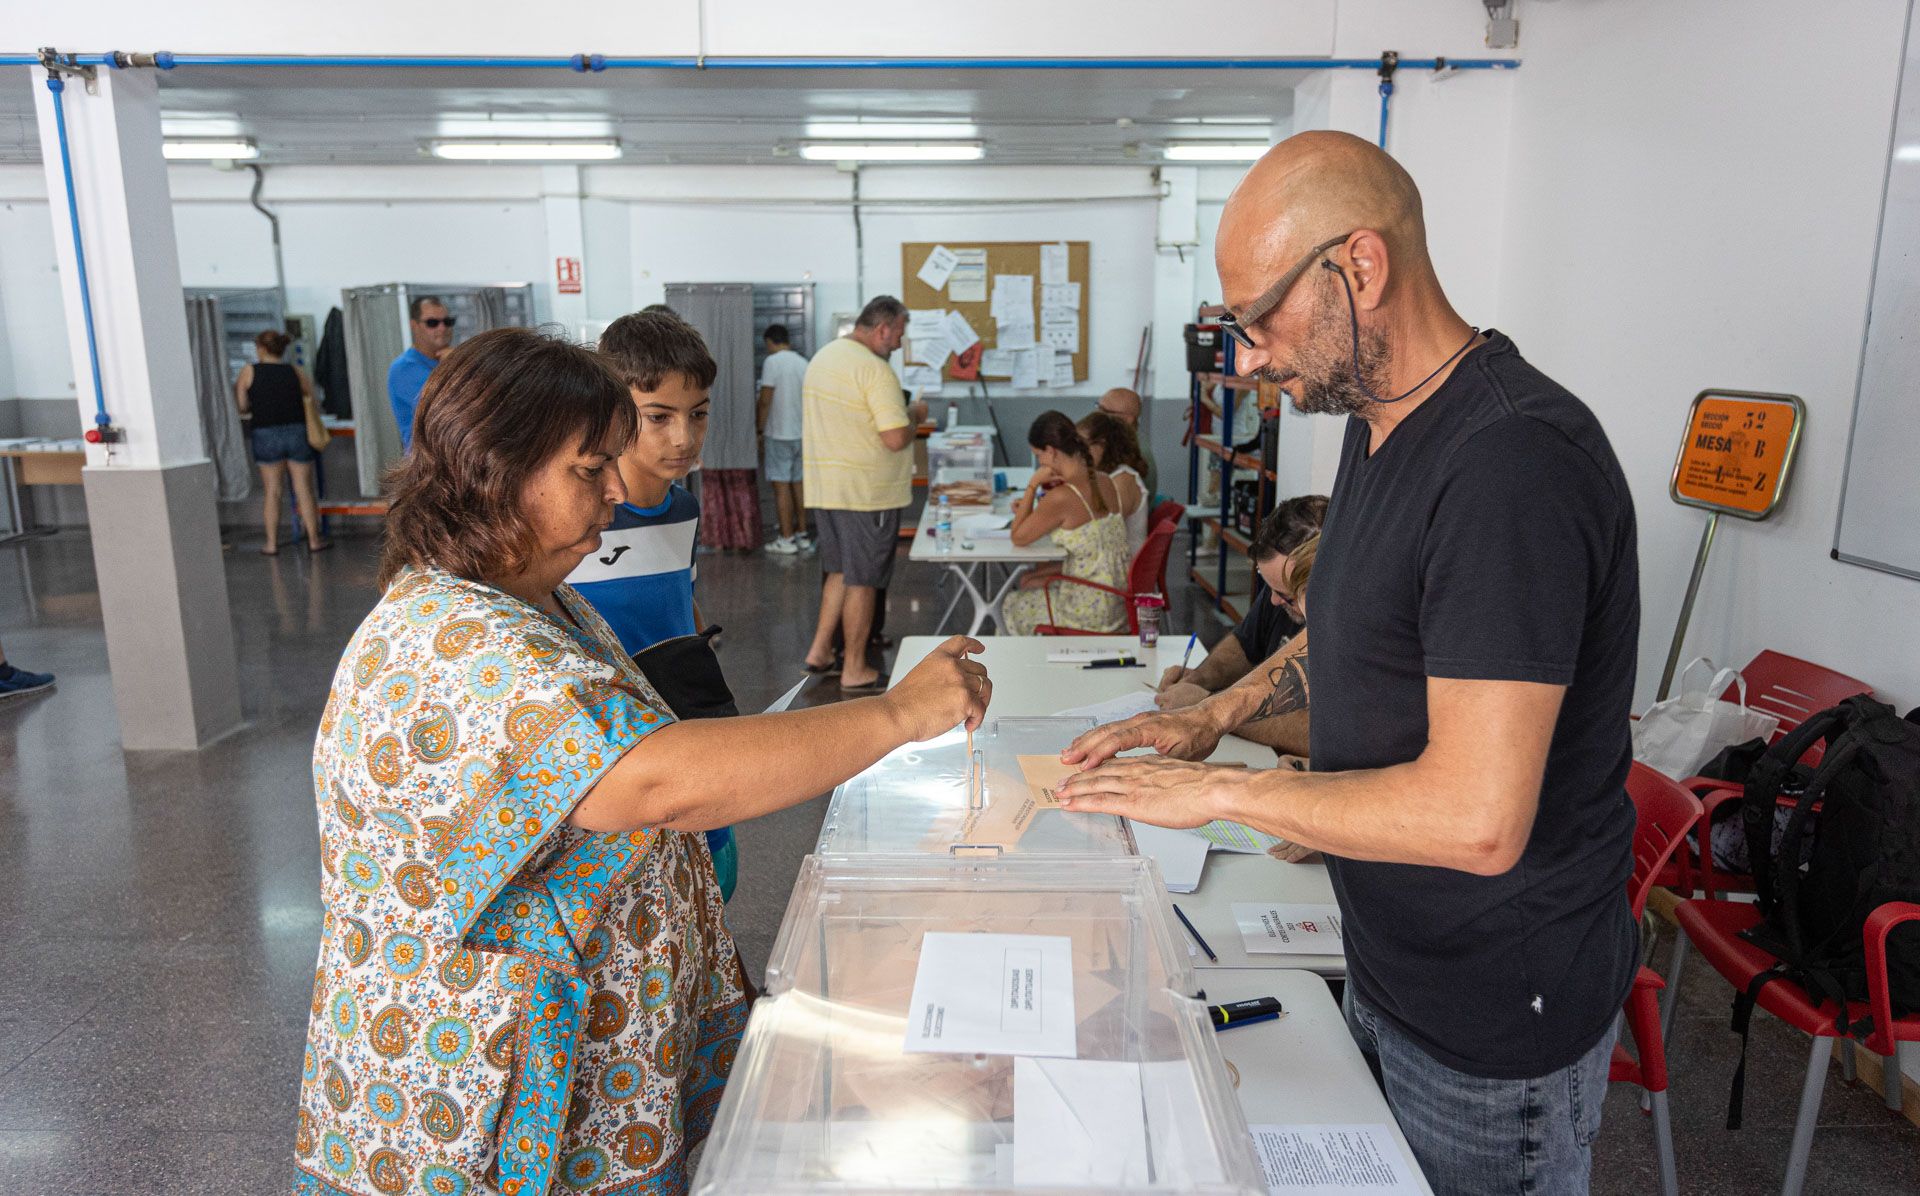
(160, 911)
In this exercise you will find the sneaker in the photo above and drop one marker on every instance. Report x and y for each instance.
(17, 682)
(784, 546)
(804, 541)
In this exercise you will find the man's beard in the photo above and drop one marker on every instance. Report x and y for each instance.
(1321, 379)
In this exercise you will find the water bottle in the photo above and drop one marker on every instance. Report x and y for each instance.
(943, 525)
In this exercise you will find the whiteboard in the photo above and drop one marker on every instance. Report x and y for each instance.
(1879, 523)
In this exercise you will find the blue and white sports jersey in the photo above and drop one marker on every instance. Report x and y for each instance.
(641, 579)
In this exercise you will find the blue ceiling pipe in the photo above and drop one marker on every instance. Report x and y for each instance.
(167, 60)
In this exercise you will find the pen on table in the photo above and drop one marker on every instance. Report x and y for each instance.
(1119, 662)
(1245, 1021)
(1195, 933)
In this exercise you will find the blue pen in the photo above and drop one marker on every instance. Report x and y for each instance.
(1249, 1021)
(1186, 656)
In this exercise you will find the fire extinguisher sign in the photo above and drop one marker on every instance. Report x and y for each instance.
(566, 273)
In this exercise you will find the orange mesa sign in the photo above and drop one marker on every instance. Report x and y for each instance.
(1738, 452)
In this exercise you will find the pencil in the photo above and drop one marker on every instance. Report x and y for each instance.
(1196, 934)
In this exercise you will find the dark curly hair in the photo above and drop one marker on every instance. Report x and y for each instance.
(492, 413)
(1288, 526)
(1118, 443)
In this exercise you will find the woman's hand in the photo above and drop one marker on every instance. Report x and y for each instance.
(942, 691)
(1043, 477)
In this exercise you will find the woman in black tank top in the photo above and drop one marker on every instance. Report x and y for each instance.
(275, 395)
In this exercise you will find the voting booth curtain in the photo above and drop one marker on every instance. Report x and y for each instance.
(722, 312)
(213, 390)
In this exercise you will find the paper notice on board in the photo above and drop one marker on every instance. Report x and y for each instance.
(1053, 264)
(960, 334)
(922, 380)
(1013, 298)
(968, 282)
(1288, 929)
(1014, 336)
(1332, 1160)
(1026, 367)
(1063, 336)
(996, 363)
(1063, 368)
(928, 350)
(993, 994)
(938, 267)
(1063, 294)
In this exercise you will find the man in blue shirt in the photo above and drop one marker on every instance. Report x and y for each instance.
(432, 337)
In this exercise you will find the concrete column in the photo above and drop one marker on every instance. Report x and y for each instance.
(566, 239)
(150, 498)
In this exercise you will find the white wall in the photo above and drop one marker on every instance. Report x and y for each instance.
(33, 332)
(1683, 215)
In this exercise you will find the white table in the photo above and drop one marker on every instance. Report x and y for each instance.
(1026, 686)
(968, 557)
(1305, 1067)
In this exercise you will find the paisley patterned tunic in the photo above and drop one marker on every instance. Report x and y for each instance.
(503, 1003)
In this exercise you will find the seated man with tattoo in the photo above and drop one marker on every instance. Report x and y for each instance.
(1273, 618)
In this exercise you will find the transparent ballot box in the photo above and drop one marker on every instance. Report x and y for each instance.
(932, 797)
(890, 1052)
(960, 466)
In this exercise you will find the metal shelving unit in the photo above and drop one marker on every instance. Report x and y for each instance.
(1230, 539)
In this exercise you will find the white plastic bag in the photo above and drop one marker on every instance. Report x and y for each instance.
(1679, 735)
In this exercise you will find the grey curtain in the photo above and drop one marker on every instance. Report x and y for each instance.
(213, 388)
(376, 334)
(490, 309)
(723, 314)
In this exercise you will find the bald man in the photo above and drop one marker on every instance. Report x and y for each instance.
(1124, 405)
(1474, 618)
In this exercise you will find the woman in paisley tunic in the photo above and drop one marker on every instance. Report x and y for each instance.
(1080, 506)
(526, 983)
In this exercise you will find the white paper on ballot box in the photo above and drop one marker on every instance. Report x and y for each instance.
(1332, 1160)
(1078, 1123)
(993, 994)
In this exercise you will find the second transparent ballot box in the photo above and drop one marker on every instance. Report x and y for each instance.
(985, 1025)
(960, 466)
(934, 797)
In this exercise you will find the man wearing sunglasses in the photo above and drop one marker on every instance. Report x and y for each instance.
(1474, 631)
(432, 331)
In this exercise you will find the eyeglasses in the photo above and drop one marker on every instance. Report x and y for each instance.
(1236, 323)
(436, 321)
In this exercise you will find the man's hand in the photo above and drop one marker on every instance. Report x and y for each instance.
(1162, 792)
(1175, 674)
(1179, 697)
(1293, 853)
(1188, 734)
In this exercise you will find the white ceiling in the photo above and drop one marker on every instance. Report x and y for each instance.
(378, 115)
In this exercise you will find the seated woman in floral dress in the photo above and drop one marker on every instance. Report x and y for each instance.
(1078, 504)
(525, 980)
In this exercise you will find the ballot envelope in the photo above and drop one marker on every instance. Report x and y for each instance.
(928, 797)
(984, 1024)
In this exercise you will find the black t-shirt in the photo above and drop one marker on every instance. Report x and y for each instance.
(1491, 538)
(274, 395)
(1267, 627)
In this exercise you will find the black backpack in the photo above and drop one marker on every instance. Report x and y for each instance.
(1865, 853)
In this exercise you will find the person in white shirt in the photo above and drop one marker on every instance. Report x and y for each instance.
(779, 425)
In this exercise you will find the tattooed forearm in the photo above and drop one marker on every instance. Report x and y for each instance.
(1288, 695)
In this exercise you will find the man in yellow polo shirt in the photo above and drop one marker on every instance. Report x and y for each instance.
(857, 473)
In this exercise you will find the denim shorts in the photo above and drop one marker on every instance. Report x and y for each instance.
(783, 460)
(1475, 1136)
(282, 442)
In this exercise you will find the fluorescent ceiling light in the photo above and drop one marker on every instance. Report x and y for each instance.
(211, 126)
(1908, 153)
(891, 131)
(525, 128)
(526, 151)
(899, 151)
(1215, 151)
(201, 149)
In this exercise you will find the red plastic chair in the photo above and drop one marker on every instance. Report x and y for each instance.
(1714, 929)
(1664, 814)
(1147, 575)
(1781, 685)
(1164, 511)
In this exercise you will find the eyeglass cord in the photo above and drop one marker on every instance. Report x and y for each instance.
(1353, 324)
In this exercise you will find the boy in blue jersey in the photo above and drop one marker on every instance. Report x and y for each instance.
(641, 579)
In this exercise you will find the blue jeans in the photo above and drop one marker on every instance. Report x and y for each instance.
(1479, 1137)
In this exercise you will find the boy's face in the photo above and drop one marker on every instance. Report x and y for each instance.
(673, 426)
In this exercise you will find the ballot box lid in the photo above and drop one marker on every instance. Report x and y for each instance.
(986, 1025)
(916, 799)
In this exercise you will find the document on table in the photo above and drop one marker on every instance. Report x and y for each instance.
(938, 267)
(984, 527)
(1181, 856)
(1044, 775)
(1078, 1123)
(1053, 264)
(1331, 1160)
(994, 994)
(1231, 836)
(1268, 929)
(1087, 655)
(968, 282)
(1113, 709)
(785, 700)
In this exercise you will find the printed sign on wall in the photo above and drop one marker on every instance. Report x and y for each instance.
(566, 273)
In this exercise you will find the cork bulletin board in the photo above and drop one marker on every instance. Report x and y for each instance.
(1003, 257)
